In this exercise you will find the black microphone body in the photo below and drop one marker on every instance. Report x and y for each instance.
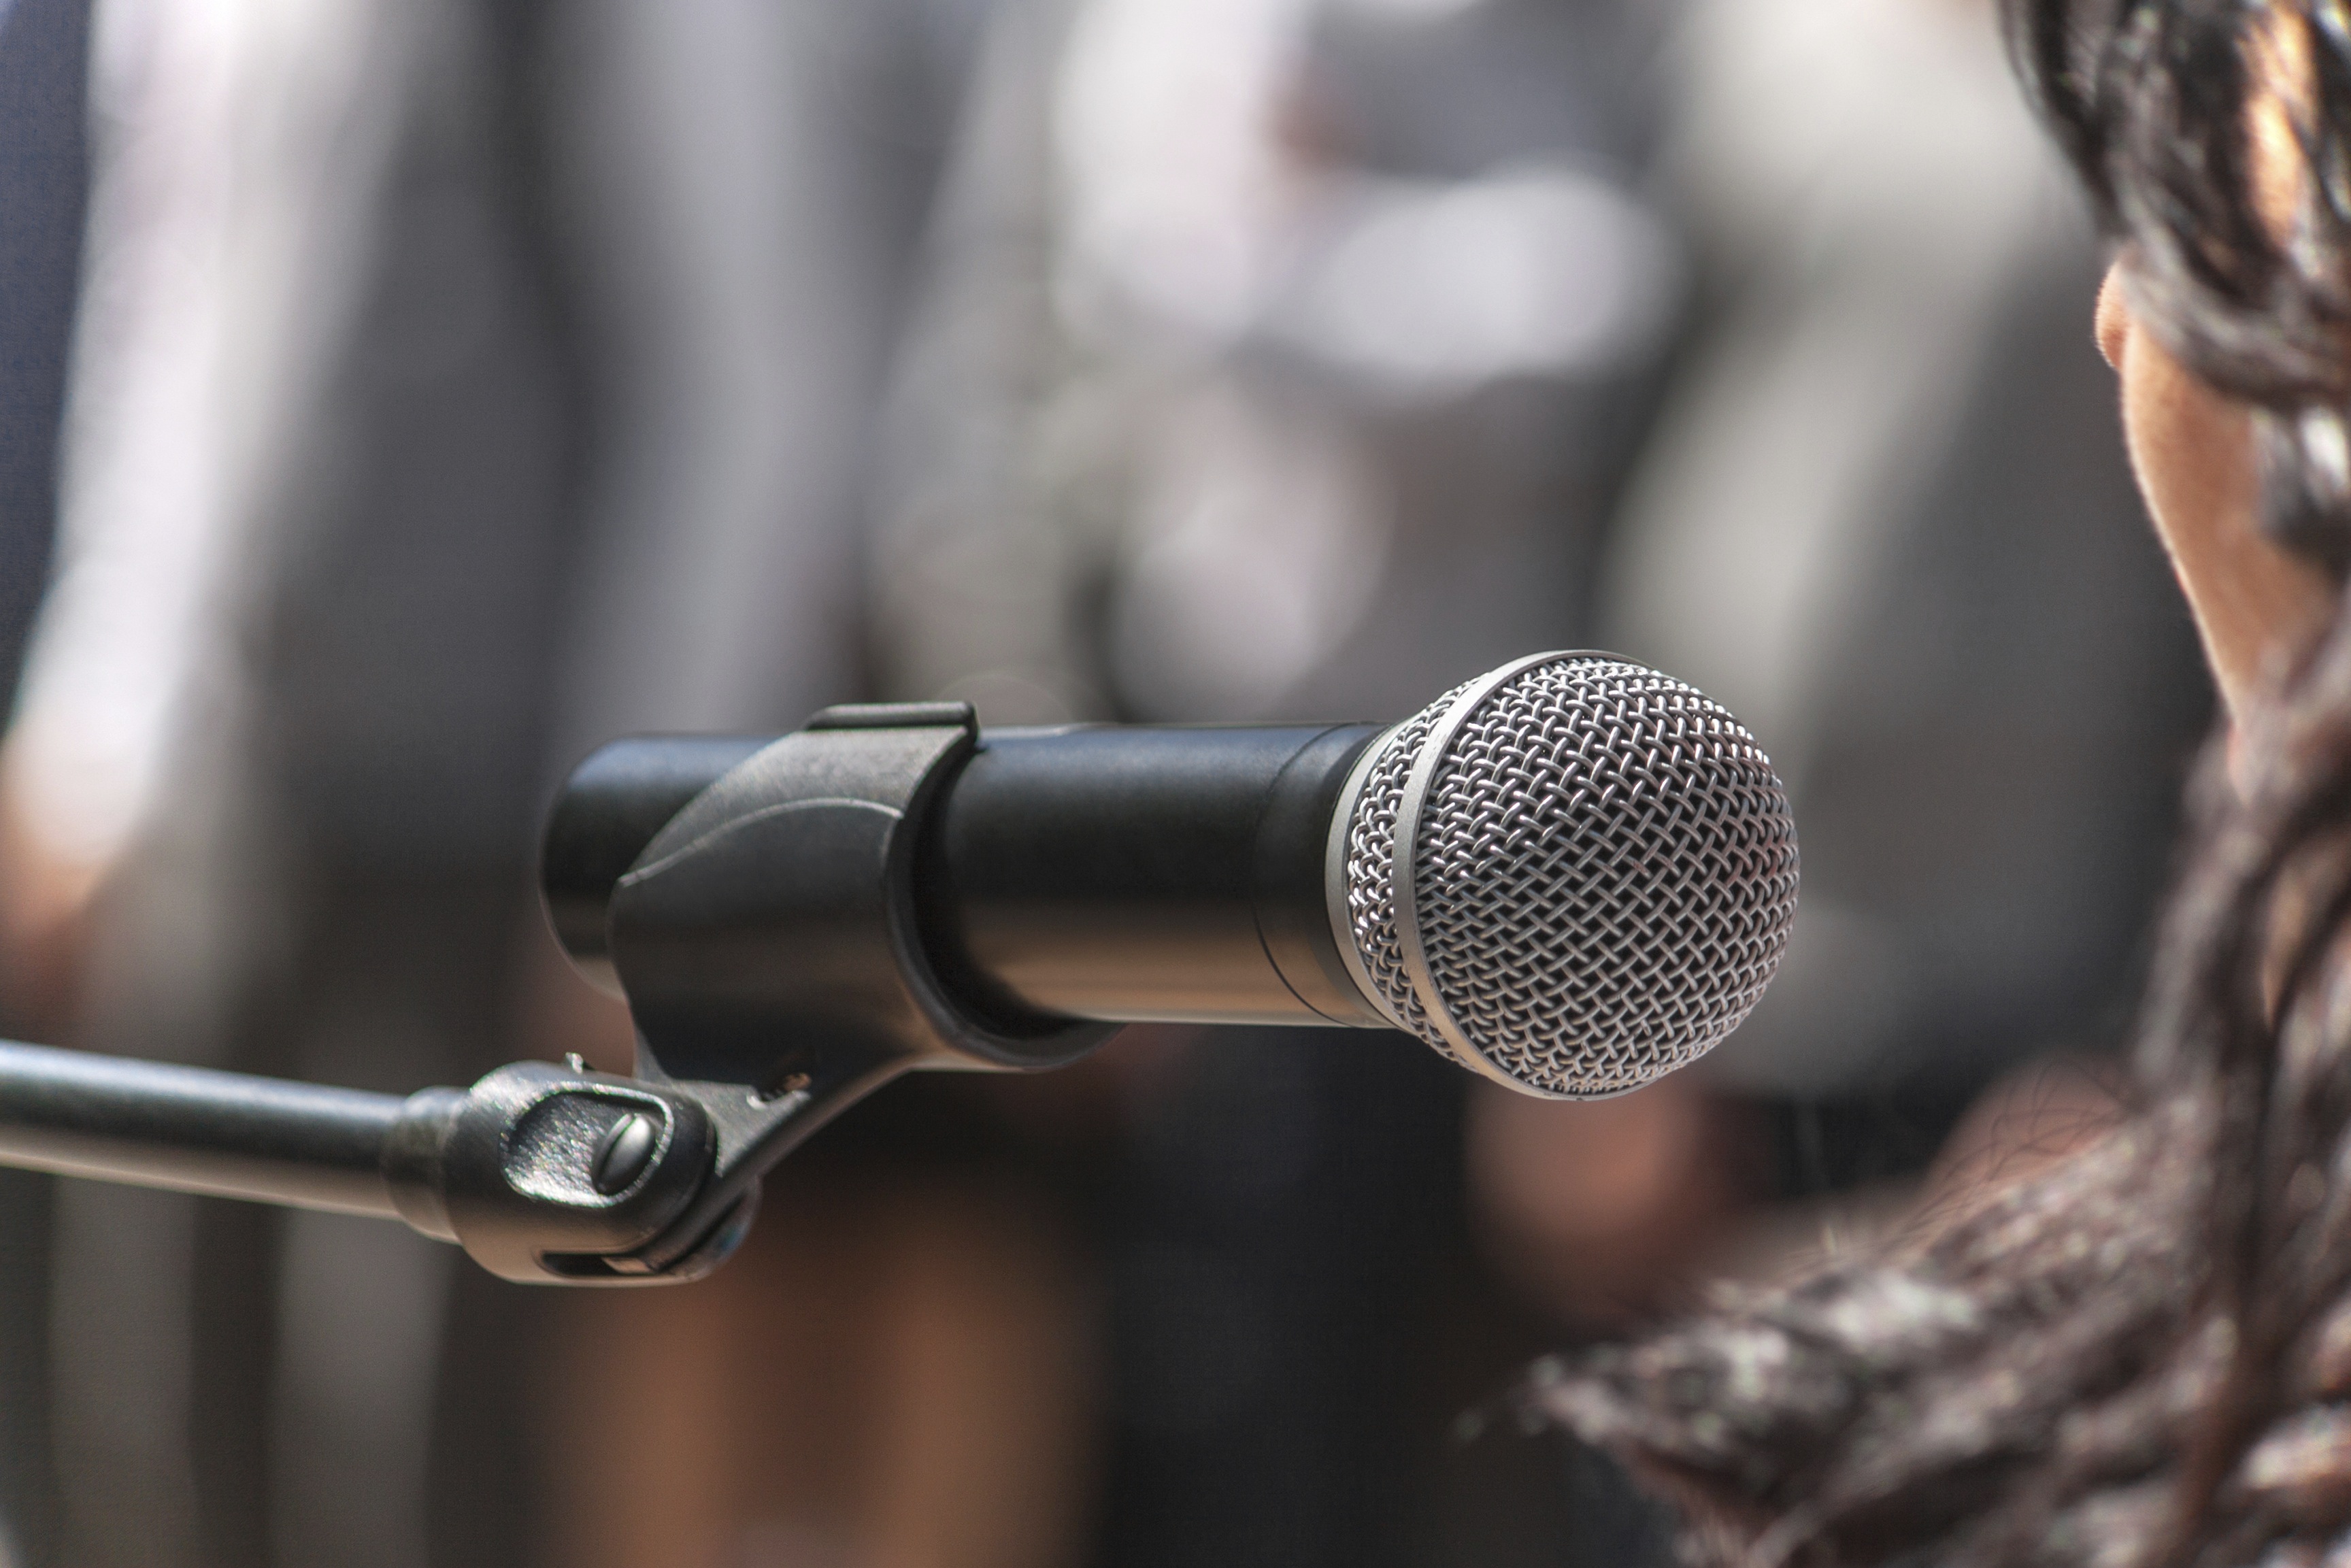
(1115, 872)
(1139, 872)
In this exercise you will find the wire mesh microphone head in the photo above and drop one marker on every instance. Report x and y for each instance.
(1573, 874)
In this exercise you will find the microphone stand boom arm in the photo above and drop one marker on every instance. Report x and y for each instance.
(755, 902)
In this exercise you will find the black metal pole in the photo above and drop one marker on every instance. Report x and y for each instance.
(189, 1129)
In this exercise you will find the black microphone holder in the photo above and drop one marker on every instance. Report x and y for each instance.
(755, 902)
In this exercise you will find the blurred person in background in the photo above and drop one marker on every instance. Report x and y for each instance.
(455, 386)
(1277, 354)
(893, 1370)
(267, 776)
(1243, 391)
(1283, 358)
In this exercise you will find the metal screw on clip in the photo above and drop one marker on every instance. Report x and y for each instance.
(622, 1154)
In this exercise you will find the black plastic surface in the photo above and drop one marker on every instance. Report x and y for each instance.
(1127, 873)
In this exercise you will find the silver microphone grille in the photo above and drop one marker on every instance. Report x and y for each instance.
(1573, 874)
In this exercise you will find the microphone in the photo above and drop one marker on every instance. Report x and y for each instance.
(1571, 875)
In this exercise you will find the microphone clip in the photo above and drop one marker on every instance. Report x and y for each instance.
(766, 937)
(757, 902)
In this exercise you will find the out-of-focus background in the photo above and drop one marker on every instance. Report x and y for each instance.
(398, 398)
